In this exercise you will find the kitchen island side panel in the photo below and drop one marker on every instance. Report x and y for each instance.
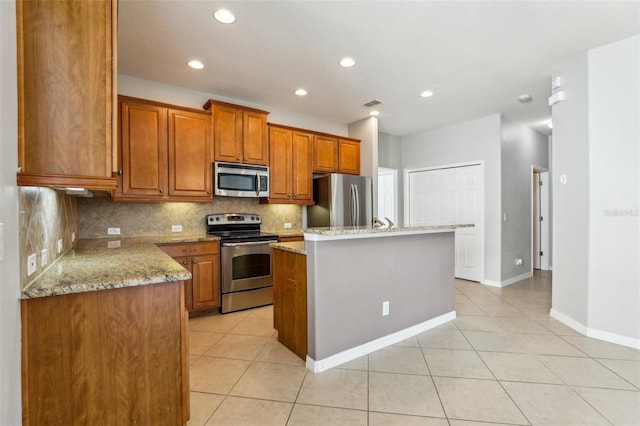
(349, 279)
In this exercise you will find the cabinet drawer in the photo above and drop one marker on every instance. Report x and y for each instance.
(191, 249)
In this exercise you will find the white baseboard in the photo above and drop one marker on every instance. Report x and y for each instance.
(374, 345)
(510, 281)
(594, 332)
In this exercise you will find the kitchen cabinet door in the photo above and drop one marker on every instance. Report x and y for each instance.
(185, 261)
(280, 169)
(302, 166)
(255, 138)
(325, 154)
(143, 141)
(66, 93)
(227, 130)
(206, 281)
(349, 157)
(190, 154)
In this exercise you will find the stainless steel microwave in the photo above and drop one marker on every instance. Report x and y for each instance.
(240, 180)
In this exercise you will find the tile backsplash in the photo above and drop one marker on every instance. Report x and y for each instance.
(151, 219)
(46, 216)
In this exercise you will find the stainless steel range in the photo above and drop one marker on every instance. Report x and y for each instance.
(245, 261)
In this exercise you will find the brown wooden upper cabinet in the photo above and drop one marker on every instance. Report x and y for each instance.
(336, 155)
(291, 153)
(166, 152)
(240, 133)
(66, 93)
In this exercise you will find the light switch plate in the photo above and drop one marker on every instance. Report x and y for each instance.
(44, 257)
(60, 246)
(113, 231)
(176, 228)
(31, 264)
(287, 225)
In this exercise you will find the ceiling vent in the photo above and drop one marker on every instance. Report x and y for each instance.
(372, 103)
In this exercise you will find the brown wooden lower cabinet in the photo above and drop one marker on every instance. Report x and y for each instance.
(290, 300)
(202, 291)
(108, 357)
(290, 238)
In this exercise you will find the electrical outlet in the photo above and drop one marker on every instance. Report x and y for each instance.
(176, 228)
(73, 237)
(60, 246)
(113, 231)
(44, 257)
(518, 261)
(287, 225)
(113, 244)
(385, 308)
(31, 264)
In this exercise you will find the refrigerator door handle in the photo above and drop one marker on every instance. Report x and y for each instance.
(352, 202)
(357, 216)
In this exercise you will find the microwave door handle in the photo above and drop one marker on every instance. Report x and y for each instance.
(257, 184)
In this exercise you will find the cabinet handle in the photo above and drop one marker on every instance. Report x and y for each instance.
(208, 192)
(119, 172)
(161, 190)
(195, 261)
(289, 195)
(189, 250)
(184, 262)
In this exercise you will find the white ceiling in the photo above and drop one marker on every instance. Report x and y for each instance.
(478, 56)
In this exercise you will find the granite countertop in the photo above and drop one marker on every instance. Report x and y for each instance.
(108, 263)
(317, 234)
(294, 247)
(286, 233)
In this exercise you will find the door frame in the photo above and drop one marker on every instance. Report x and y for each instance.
(545, 245)
(394, 172)
(481, 204)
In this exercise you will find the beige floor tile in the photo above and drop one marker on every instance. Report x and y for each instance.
(456, 363)
(601, 349)
(236, 411)
(216, 323)
(628, 370)
(535, 311)
(518, 367)
(479, 400)
(443, 339)
(261, 312)
(387, 419)
(471, 423)
(254, 327)
(276, 382)
(335, 388)
(361, 363)
(619, 407)
(583, 372)
(494, 341)
(502, 310)
(310, 415)
(411, 342)
(477, 323)
(238, 346)
(201, 341)
(202, 406)
(274, 351)
(403, 394)
(193, 358)
(468, 309)
(548, 345)
(557, 327)
(553, 405)
(521, 325)
(485, 298)
(398, 359)
(216, 375)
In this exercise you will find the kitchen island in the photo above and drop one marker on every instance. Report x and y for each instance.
(367, 288)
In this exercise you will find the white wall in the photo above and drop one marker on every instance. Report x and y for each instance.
(521, 148)
(10, 401)
(614, 189)
(153, 90)
(570, 201)
(470, 141)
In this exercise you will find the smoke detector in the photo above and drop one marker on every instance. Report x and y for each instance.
(524, 98)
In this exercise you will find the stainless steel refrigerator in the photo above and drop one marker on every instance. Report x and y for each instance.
(341, 200)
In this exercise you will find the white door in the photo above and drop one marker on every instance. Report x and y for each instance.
(387, 207)
(545, 259)
(535, 219)
(452, 196)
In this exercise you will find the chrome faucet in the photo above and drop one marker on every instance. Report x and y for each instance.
(377, 223)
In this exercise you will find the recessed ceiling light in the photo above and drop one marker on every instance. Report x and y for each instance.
(526, 97)
(427, 93)
(347, 62)
(301, 92)
(224, 16)
(374, 113)
(195, 64)
(550, 124)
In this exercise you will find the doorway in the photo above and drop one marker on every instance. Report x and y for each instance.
(540, 258)
(387, 194)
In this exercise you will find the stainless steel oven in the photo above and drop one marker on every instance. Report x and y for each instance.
(245, 261)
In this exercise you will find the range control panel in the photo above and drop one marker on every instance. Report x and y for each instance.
(233, 218)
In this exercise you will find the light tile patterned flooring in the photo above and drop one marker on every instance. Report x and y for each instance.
(502, 361)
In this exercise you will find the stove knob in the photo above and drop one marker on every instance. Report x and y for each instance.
(217, 218)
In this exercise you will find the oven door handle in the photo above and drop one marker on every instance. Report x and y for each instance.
(250, 243)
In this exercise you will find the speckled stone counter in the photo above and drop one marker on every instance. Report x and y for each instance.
(103, 264)
(351, 232)
(286, 233)
(293, 247)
